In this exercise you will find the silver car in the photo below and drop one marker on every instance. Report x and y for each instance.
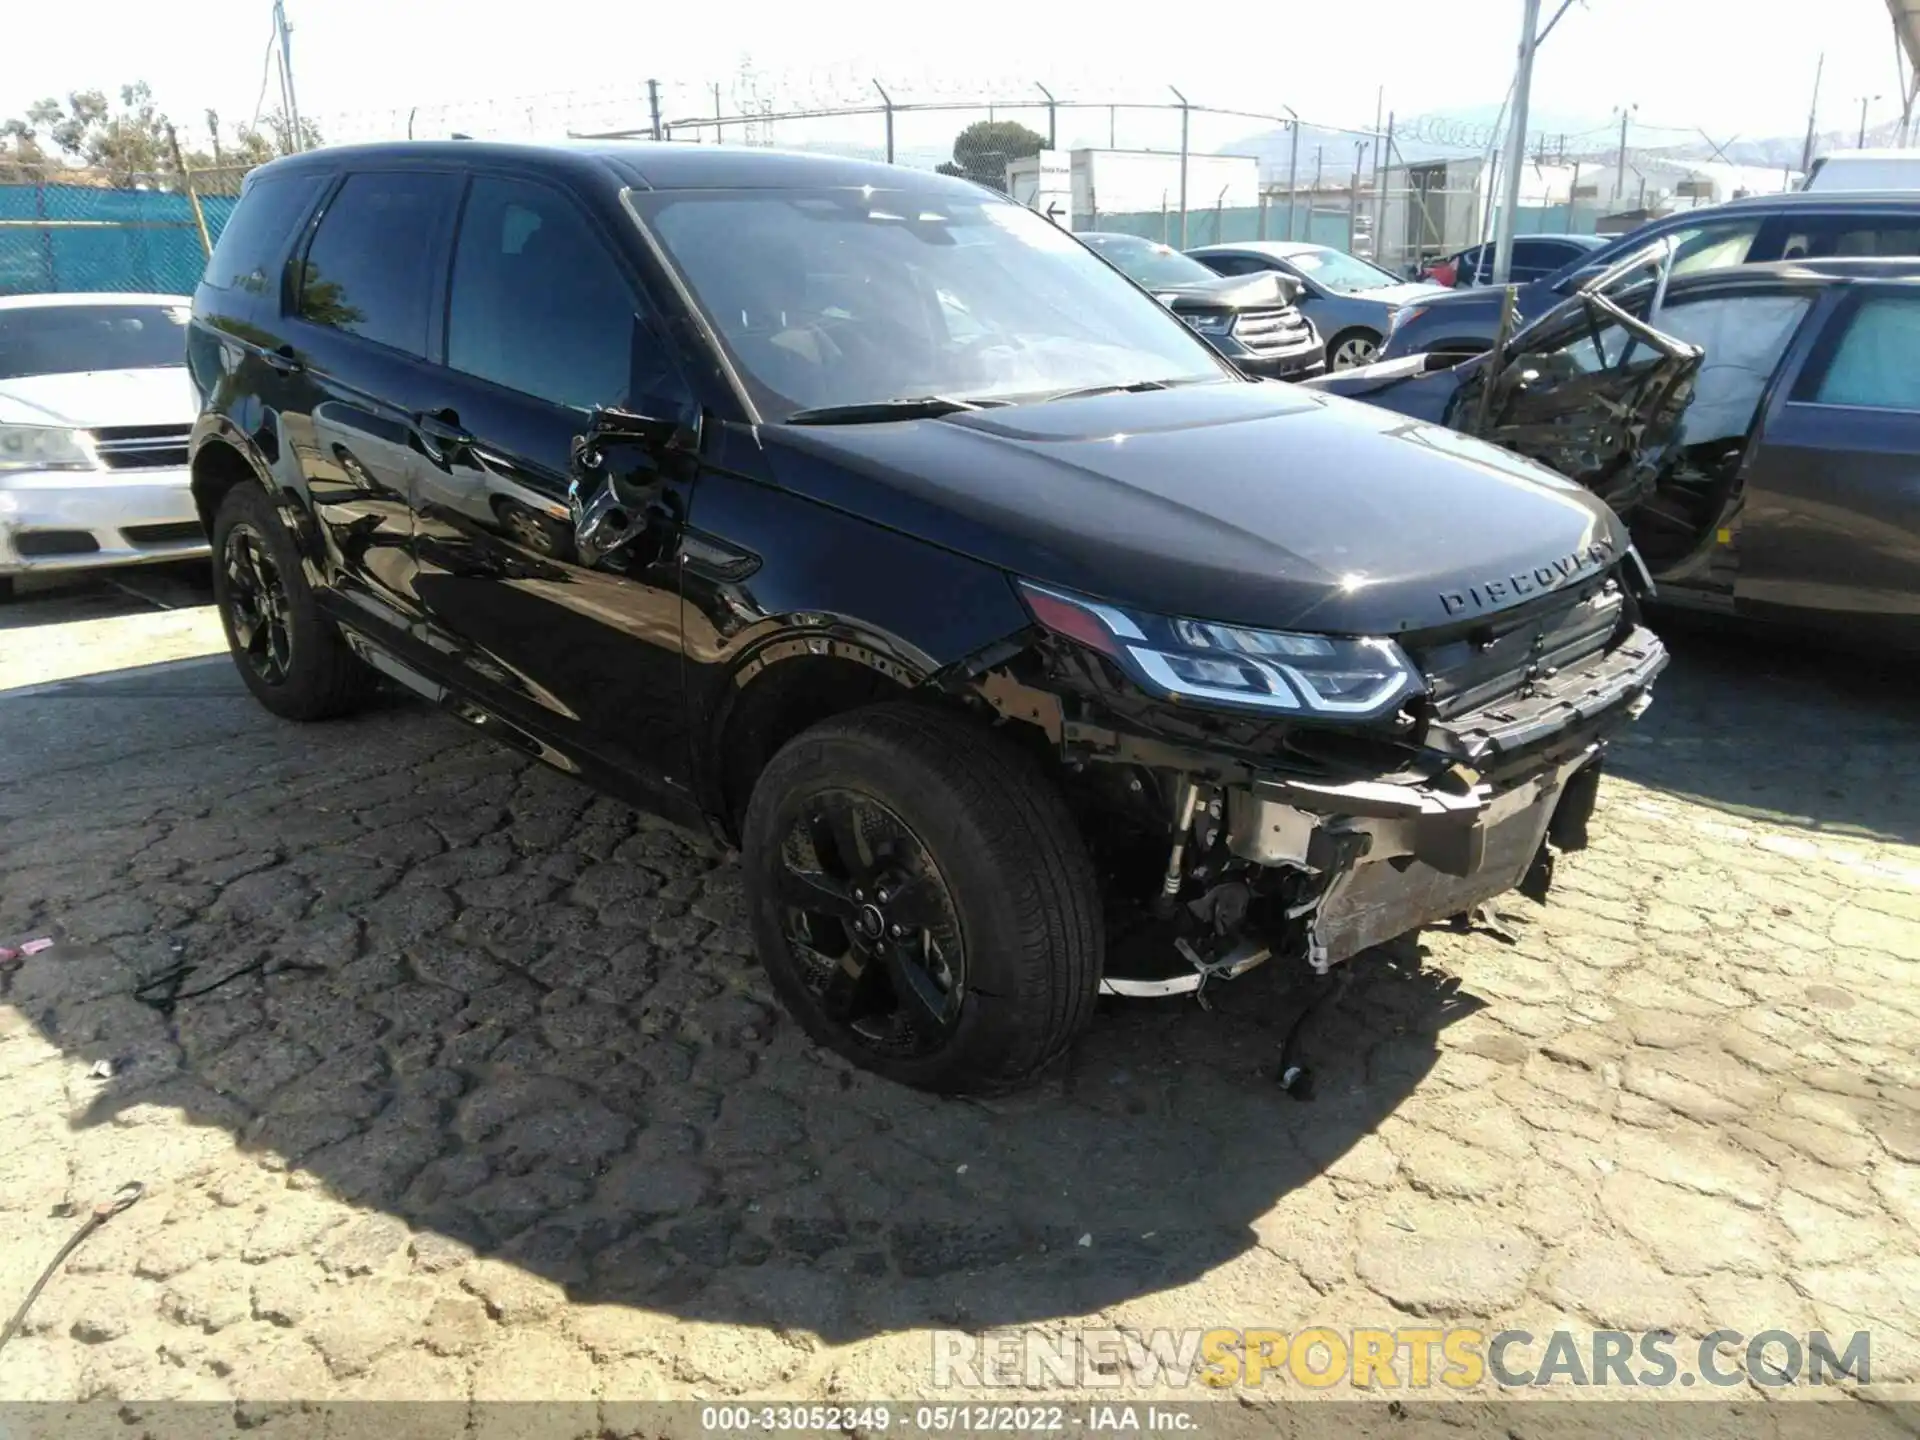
(94, 412)
(1350, 301)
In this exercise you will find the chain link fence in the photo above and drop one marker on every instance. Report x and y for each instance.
(64, 229)
(1161, 165)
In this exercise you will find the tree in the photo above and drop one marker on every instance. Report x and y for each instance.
(982, 150)
(129, 142)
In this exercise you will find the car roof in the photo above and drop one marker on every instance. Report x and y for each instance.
(90, 297)
(1804, 199)
(1791, 273)
(643, 164)
(1279, 249)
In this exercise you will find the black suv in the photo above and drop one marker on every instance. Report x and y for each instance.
(1023, 647)
(1796, 226)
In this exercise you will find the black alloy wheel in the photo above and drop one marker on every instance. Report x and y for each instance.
(289, 654)
(922, 898)
(258, 610)
(869, 916)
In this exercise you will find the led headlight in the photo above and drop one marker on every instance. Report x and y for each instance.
(43, 447)
(1211, 324)
(1349, 677)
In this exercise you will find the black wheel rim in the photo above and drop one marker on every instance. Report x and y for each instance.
(259, 614)
(869, 918)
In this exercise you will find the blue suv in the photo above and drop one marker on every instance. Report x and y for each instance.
(1801, 225)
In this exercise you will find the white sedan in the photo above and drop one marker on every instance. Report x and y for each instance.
(95, 407)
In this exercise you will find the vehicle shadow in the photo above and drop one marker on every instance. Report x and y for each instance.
(1781, 728)
(452, 987)
(60, 599)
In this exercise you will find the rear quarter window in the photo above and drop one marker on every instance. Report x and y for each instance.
(254, 240)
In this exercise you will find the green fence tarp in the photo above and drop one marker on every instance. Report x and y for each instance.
(143, 239)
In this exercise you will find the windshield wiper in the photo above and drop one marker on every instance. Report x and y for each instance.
(872, 412)
(1133, 389)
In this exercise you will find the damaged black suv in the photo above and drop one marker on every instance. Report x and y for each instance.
(1023, 647)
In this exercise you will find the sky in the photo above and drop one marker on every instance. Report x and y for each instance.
(1731, 67)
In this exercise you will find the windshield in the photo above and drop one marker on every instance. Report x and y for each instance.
(856, 297)
(67, 339)
(1150, 263)
(1341, 273)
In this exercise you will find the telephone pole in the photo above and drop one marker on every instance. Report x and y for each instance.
(1620, 169)
(1813, 111)
(1516, 143)
(1865, 100)
(653, 104)
(288, 104)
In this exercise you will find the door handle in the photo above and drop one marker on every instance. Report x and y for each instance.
(282, 361)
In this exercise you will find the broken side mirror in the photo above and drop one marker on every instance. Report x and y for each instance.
(618, 474)
(620, 466)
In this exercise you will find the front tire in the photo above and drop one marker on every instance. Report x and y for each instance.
(922, 899)
(1351, 348)
(289, 655)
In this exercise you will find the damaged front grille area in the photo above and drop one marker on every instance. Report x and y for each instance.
(1271, 332)
(1477, 664)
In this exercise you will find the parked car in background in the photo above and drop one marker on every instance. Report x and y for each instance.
(1349, 300)
(1255, 322)
(1865, 170)
(1534, 258)
(1758, 229)
(911, 548)
(94, 413)
(1791, 492)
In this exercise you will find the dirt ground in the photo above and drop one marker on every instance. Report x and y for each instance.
(470, 1088)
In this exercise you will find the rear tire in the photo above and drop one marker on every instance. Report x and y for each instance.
(6, 588)
(289, 655)
(971, 959)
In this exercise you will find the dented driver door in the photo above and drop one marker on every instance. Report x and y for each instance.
(1590, 389)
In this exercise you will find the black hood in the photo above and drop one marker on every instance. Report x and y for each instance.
(1264, 291)
(1253, 503)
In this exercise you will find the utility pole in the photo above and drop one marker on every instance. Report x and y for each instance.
(1382, 176)
(1813, 111)
(1620, 169)
(719, 135)
(1052, 108)
(653, 104)
(887, 101)
(1185, 114)
(1516, 143)
(1861, 143)
(1293, 166)
(288, 104)
(1353, 194)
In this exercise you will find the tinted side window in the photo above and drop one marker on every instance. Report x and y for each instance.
(1539, 255)
(1231, 264)
(250, 245)
(1713, 247)
(1864, 235)
(369, 270)
(538, 303)
(1877, 363)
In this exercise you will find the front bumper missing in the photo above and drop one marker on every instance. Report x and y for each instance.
(1390, 857)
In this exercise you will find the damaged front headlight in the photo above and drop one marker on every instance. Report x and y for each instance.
(1349, 677)
(1215, 324)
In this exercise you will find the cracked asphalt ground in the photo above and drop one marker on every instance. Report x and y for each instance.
(486, 1097)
